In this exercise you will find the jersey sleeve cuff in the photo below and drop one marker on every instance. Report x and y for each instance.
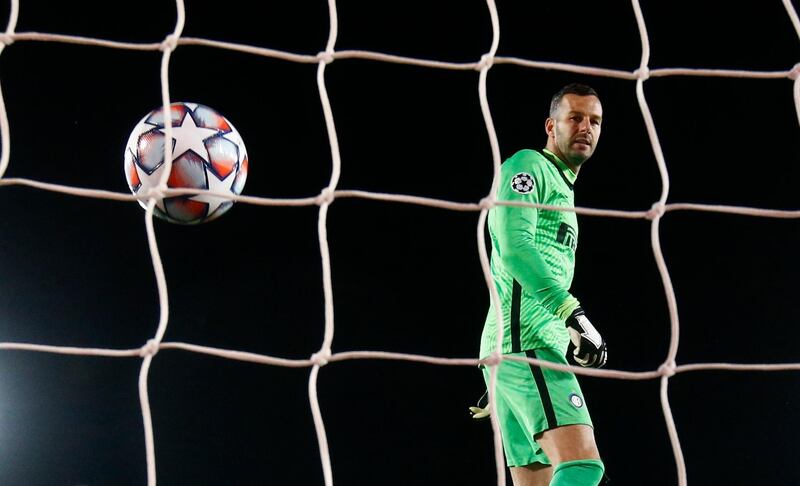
(565, 310)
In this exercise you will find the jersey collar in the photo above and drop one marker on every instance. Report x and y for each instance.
(566, 173)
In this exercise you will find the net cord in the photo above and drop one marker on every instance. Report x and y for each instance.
(328, 195)
(7, 38)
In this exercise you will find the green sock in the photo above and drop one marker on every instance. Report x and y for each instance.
(586, 472)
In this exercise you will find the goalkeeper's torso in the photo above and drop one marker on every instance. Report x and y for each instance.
(528, 325)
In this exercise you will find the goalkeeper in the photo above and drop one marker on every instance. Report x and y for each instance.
(547, 433)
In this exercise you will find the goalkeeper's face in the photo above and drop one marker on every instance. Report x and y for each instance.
(574, 129)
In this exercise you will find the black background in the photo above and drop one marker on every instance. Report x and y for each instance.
(77, 272)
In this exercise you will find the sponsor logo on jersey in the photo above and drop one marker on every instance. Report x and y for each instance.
(567, 236)
(522, 183)
(576, 401)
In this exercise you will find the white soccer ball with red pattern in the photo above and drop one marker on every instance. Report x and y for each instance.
(207, 153)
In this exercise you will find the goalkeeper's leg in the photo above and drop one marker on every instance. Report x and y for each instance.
(536, 474)
(587, 472)
(574, 455)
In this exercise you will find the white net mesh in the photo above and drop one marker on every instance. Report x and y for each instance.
(329, 194)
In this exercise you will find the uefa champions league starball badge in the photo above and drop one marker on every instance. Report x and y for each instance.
(522, 183)
(207, 153)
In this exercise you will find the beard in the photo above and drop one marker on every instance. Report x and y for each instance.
(575, 156)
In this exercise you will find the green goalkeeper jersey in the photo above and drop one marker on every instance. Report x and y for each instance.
(533, 254)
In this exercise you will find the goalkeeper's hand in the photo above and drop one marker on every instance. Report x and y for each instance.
(590, 349)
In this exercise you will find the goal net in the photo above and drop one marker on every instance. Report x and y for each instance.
(427, 189)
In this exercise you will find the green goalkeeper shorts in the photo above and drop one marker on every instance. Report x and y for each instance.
(530, 399)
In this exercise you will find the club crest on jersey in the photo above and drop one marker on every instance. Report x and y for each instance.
(576, 401)
(522, 183)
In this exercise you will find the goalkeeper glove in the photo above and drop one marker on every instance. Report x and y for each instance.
(590, 349)
(481, 410)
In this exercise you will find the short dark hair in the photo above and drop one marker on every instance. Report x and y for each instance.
(572, 88)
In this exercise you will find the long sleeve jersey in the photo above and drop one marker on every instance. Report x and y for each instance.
(533, 254)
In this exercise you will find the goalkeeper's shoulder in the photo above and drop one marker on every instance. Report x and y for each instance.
(527, 160)
(525, 167)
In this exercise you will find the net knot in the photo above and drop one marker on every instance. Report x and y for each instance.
(487, 203)
(321, 358)
(794, 74)
(155, 192)
(642, 73)
(487, 61)
(667, 369)
(325, 56)
(6, 39)
(656, 211)
(149, 349)
(170, 43)
(493, 359)
(325, 197)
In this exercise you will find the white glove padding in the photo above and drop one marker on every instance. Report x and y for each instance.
(479, 413)
(590, 349)
(481, 409)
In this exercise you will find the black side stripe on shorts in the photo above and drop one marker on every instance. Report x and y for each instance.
(544, 393)
(516, 296)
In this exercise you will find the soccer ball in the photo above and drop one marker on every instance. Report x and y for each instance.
(207, 153)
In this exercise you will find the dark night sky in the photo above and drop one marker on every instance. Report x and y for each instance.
(77, 272)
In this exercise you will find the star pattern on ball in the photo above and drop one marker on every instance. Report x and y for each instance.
(522, 183)
(150, 181)
(216, 185)
(188, 136)
(237, 139)
(208, 155)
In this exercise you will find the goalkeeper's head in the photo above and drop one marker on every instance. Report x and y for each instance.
(573, 127)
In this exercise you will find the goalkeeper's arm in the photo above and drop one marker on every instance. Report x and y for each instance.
(528, 267)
